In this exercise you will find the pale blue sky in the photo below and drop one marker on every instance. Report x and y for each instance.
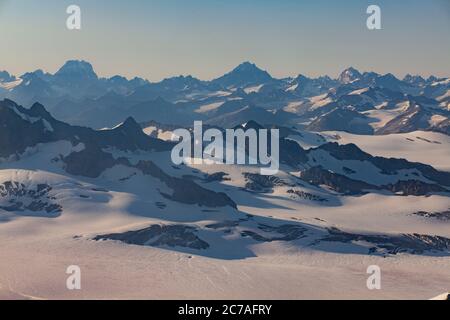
(155, 39)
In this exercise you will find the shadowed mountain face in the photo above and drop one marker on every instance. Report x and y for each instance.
(349, 75)
(342, 119)
(73, 72)
(24, 128)
(156, 235)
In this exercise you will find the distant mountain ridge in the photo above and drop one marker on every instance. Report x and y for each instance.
(358, 102)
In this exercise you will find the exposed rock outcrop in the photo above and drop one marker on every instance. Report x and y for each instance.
(159, 236)
(406, 243)
(17, 197)
(186, 191)
(318, 176)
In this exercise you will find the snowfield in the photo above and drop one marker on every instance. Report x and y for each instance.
(37, 250)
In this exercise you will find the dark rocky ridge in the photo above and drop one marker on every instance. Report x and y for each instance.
(318, 176)
(292, 154)
(186, 191)
(263, 184)
(388, 166)
(160, 236)
(91, 162)
(21, 128)
(377, 244)
(286, 232)
(442, 216)
(306, 195)
(396, 244)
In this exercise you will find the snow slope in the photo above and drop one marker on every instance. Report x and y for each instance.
(274, 237)
(419, 146)
(122, 199)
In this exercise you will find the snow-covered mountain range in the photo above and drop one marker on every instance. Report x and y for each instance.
(364, 180)
(362, 103)
(338, 197)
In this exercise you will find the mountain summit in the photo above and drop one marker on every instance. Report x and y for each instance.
(6, 77)
(349, 75)
(76, 70)
(245, 74)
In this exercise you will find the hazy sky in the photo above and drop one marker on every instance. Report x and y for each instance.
(155, 39)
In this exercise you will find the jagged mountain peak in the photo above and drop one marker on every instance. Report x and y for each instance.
(349, 75)
(351, 70)
(38, 110)
(137, 81)
(245, 74)
(77, 69)
(118, 79)
(246, 66)
(251, 68)
(188, 77)
(7, 103)
(5, 76)
(182, 81)
(130, 122)
(129, 126)
(39, 73)
(38, 126)
(389, 76)
(252, 124)
(432, 79)
(413, 78)
(301, 77)
(160, 100)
